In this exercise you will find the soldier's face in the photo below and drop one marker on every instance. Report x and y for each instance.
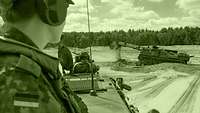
(59, 29)
(57, 32)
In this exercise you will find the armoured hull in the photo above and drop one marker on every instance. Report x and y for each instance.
(109, 98)
(156, 56)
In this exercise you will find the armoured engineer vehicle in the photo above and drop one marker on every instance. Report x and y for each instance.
(155, 55)
(101, 95)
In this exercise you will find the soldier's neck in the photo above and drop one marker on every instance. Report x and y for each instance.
(39, 32)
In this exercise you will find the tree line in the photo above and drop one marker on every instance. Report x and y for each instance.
(165, 36)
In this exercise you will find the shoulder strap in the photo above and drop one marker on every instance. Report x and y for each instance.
(29, 65)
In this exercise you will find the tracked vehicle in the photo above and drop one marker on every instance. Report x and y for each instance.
(101, 95)
(155, 55)
(149, 56)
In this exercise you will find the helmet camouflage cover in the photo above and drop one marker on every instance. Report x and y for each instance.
(7, 4)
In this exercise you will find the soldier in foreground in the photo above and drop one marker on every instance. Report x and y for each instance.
(29, 79)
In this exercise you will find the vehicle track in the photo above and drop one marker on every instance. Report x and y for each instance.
(158, 88)
(144, 82)
(184, 103)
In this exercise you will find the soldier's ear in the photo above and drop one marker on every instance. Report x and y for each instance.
(52, 12)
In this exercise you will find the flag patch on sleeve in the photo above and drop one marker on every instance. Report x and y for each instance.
(26, 100)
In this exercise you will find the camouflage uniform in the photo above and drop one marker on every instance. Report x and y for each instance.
(30, 81)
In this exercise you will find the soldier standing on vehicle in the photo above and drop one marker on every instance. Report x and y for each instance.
(29, 79)
(84, 64)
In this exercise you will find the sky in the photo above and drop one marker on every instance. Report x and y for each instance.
(109, 15)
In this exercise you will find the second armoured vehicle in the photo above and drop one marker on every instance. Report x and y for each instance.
(154, 55)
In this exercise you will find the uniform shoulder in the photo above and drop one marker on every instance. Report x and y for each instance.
(16, 47)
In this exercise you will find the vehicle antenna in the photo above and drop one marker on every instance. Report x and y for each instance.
(88, 19)
(92, 91)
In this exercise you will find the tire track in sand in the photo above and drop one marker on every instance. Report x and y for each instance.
(158, 88)
(184, 103)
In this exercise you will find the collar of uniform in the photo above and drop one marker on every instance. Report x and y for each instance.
(15, 34)
(48, 63)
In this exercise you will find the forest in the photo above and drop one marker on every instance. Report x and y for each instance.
(165, 37)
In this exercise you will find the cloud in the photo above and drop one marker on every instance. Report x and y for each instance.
(192, 8)
(190, 21)
(155, 0)
(163, 22)
(110, 15)
(188, 4)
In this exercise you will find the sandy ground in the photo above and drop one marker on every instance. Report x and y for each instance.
(166, 87)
